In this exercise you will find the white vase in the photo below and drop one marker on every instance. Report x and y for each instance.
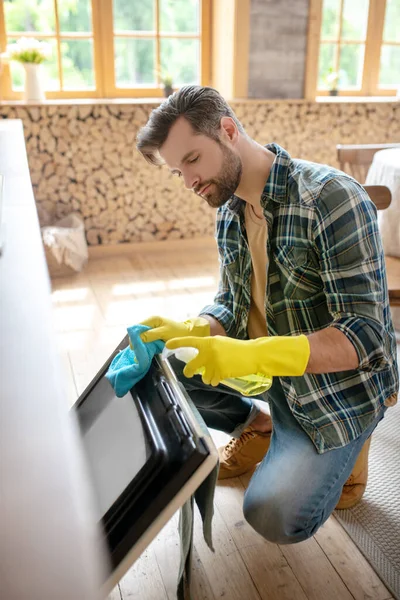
(33, 91)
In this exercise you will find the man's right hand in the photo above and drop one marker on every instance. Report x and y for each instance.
(166, 329)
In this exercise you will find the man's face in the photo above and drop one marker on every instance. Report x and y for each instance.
(211, 169)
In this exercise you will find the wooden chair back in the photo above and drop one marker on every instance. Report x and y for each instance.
(380, 195)
(355, 160)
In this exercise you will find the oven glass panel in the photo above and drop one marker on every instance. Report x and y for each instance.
(114, 441)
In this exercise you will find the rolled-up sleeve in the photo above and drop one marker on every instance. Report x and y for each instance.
(353, 269)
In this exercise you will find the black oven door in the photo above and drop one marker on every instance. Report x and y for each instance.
(146, 456)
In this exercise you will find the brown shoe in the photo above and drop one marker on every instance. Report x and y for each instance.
(354, 487)
(242, 454)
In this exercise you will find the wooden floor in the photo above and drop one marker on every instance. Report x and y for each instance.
(91, 312)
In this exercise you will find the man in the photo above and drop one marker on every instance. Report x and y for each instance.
(302, 297)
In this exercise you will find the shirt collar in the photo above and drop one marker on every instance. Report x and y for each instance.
(276, 185)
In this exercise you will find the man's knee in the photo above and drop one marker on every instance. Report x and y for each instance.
(278, 520)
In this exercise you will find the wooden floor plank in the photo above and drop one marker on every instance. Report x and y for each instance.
(115, 594)
(229, 495)
(317, 576)
(166, 547)
(265, 562)
(352, 567)
(85, 365)
(200, 584)
(226, 571)
(269, 569)
(143, 581)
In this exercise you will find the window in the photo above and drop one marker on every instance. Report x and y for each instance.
(110, 48)
(354, 47)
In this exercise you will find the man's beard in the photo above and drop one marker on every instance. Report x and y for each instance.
(227, 181)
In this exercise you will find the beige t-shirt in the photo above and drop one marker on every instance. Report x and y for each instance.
(256, 229)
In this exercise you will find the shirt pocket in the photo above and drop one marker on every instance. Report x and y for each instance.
(298, 269)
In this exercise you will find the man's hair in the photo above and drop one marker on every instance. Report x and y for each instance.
(203, 107)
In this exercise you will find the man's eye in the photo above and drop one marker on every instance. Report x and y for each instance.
(194, 160)
(177, 173)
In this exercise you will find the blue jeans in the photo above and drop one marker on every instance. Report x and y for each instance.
(294, 489)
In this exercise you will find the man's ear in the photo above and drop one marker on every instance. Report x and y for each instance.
(229, 130)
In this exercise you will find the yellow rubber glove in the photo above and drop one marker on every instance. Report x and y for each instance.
(222, 357)
(166, 329)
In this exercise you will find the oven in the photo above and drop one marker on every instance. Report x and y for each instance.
(146, 455)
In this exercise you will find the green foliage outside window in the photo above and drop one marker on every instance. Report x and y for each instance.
(134, 59)
(351, 55)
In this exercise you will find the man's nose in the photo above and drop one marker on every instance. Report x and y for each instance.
(191, 181)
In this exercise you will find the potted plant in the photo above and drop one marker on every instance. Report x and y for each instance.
(332, 80)
(166, 80)
(31, 54)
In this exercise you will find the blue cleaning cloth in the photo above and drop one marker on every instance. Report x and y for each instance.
(130, 366)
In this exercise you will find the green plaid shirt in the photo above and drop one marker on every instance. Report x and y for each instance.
(325, 268)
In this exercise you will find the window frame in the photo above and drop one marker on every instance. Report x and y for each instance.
(103, 54)
(373, 47)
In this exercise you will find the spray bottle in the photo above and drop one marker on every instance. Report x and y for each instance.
(247, 385)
